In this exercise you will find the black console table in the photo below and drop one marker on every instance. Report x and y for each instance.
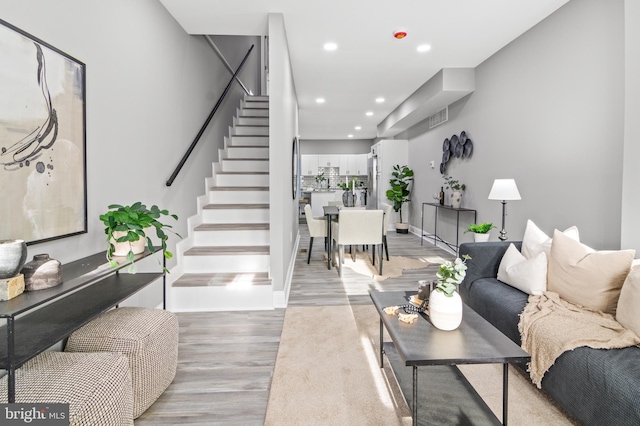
(37, 320)
(435, 230)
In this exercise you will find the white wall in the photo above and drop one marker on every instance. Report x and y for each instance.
(630, 233)
(283, 127)
(335, 146)
(548, 111)
(150, 87)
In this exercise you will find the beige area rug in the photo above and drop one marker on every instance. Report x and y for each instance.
(390, 268)
(327, 373)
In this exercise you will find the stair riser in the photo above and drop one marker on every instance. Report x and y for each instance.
(226, 263)
(235, 216)
(264, 98)
(255, 105)
(247, 152)
(250, 130)
(249, 140)
(211, 299)
(253, 121)
(245, 166)
(231, 238)
(242, 180)
(253, 112)
(239, 197)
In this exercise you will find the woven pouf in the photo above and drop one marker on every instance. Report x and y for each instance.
(148, 337)
(97, 386)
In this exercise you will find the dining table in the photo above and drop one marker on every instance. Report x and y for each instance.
(330, 212)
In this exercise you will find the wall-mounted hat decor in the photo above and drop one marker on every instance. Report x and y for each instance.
(455, 146)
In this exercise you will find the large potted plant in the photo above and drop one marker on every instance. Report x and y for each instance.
(401, 178)
(126, 228)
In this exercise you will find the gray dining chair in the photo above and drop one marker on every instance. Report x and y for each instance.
(317, 228)
(357, 227)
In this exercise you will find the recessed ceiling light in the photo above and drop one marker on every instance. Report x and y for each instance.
(424, 48)
(369, 113)
(358, 127)
(379, 100)
(330, 46)
(349, 136)
(320, 100)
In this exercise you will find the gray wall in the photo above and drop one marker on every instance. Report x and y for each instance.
(337, 146)
(150, 87)
(548, 111)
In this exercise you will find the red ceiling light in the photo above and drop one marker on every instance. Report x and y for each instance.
(399, 34)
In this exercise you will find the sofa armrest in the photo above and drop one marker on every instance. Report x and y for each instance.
(485, 258)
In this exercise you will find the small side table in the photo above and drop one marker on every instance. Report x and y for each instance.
(435, 229)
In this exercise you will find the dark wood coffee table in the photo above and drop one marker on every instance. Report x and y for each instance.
(450, 398)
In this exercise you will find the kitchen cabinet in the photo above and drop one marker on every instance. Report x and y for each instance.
(309, 165)
(329, 160)
(353, 164)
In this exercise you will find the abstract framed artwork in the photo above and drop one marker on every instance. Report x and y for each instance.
(43, 188)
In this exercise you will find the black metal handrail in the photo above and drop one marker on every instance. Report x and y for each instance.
(208, 120)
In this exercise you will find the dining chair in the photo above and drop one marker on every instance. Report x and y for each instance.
(317, 228)
(387, 209)
(335, 203)
(355, 227)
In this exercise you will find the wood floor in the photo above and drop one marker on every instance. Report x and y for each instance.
(226, 359)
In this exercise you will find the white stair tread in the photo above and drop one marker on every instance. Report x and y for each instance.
(227, 250)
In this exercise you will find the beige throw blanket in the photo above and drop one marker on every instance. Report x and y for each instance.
(549, 326)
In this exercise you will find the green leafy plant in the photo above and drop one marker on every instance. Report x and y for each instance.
(320, 177)
(450, 274)
(348, 186)
(134, 220)
(402, 176)
(454, 184)
(482, 228)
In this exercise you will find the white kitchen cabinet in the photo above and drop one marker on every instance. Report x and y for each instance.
(353, 164)
(309, 165)
(329, 160)
(344, 164)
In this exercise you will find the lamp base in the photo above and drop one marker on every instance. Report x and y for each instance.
(503, 235)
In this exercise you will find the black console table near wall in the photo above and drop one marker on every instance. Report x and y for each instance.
(435, 229)
(37, 320)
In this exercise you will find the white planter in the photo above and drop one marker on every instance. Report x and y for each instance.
(480, 238)
(445, 311)
(122, 249)
(456, 199)
(402, 228)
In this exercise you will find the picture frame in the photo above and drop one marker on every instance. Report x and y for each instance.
(43, 179)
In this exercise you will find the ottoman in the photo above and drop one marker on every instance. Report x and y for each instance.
(147, 337)
(96, 386)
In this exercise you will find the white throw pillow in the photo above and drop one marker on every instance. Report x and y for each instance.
(627, 310)
(527, 275)
(535, 241)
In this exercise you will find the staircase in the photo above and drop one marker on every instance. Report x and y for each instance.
(223, 264)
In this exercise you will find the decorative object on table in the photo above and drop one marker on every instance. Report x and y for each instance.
(42, 166)
(455, 147)
(11, 287)
(480, 231)
(424, 289)
(320, 179)
(41, 273)
(128, 225)
(504, 190)
(401, 178)
(349, 186)
(445, 304)
(13, 254)
(456, 188)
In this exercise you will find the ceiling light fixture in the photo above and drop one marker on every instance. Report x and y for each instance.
(349, 135)
(330, 46)
(424, 48)
(379, 100)
(320, 100)
(358, 127)
(369, 113)
(400, 34)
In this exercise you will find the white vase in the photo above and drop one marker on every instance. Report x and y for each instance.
(122, 249)
(456, 199)
(480, 238)
(445, 311)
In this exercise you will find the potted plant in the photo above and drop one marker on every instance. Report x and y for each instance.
(480, 231)
(399, 193)
(456, 188)
(320, 179)
(445, 304)
(126, 228)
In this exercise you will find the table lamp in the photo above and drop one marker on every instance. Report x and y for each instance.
(504, 190)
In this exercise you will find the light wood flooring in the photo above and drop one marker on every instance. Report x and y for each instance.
(226, 359)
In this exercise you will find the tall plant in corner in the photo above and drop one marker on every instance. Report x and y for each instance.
(401, 178)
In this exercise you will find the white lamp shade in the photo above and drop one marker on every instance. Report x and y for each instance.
(504, 189)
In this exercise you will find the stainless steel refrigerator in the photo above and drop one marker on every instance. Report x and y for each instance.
(373, 186)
